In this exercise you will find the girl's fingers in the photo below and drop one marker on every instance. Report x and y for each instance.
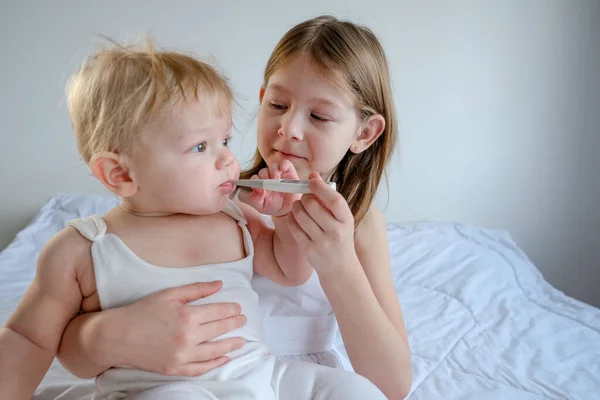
(274, 172)
(257, 192)
(211, 330)
(214, 312)
(331, 199)
(288, 171)
(299, 235)
(212, 350)
(263, 174)
(191, 292)
(322, 217)
(305, 222)
(197, 368)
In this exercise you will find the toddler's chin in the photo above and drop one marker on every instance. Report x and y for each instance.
(211, 207)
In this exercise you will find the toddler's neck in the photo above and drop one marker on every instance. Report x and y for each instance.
(145, 214)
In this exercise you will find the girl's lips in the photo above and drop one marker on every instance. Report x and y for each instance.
(290, 156)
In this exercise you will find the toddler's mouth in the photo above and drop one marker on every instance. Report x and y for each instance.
(227, 187)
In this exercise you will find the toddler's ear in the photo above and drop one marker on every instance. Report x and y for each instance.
(112, 170)
(372, 128)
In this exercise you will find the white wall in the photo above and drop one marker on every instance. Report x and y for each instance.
(499, 106)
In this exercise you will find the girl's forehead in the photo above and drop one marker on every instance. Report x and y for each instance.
(305, 67)
(301, 76)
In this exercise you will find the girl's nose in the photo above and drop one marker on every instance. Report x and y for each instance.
(291, 128)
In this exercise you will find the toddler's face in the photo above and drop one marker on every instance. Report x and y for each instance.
(183, 163)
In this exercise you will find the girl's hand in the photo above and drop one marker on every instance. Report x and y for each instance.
(274, 203)
(323, 226)
(166, 335)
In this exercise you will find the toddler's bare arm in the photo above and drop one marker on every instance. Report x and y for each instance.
(277, 255)
(30, 338)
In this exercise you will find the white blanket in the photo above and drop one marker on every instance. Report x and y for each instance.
(482, 322)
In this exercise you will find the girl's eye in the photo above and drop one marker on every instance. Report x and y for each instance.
(276, 106)
(320, 119)
(226, 141)
(199, 148)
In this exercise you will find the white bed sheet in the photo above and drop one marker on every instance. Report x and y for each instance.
(482, 322)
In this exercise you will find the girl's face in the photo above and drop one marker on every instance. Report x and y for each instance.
(306, 118)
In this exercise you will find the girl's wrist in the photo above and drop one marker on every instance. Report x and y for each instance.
(107, 331)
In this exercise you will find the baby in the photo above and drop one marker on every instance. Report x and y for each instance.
(154, 128)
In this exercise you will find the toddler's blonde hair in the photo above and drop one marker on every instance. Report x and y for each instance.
(119, 91)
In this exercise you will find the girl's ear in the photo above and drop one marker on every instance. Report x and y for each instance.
(261, 94)
(112, 170)
(372, 128)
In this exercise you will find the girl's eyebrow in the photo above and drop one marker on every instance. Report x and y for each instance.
(324, 102)
(278, 87)
(316, 100)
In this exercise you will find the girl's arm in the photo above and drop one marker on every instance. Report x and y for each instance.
(160, 333)
(278, 257)
(370, 319)
(354, 271)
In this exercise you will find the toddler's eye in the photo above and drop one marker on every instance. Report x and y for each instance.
(199, 148)
(226, 141)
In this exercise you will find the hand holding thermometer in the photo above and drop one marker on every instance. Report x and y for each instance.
(278, 185)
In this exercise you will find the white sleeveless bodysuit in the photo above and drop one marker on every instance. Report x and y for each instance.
(123, 278)
(294, 323)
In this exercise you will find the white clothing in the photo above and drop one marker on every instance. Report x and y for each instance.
(298, 321)
(291, 380)
(253, 373)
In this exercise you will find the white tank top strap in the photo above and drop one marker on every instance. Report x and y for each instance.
(234, 211)
(92, 227)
